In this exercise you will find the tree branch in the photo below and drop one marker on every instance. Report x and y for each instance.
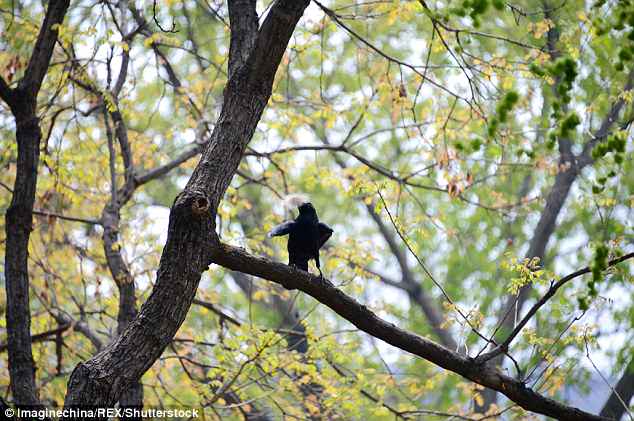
(244, 31)
(43, 50)
(359, 315)
(606, 125)
(408, 283)
(78, 326)
(40, 337)
(6, 93)
(166, 168)
(66, 217)
(570, 167)
(413, 288)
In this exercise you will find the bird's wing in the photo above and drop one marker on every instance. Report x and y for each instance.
(281, 229)
(324, 233)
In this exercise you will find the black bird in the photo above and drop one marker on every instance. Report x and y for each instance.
(306, 236)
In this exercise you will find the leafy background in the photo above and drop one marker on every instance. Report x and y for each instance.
(447, 114)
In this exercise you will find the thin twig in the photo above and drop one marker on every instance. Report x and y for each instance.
(503, 347)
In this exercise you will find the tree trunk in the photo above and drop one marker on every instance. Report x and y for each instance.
(131, 397)
(18, 227)
(18, 221)
(191, 237)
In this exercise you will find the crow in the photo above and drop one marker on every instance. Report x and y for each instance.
(306, 236)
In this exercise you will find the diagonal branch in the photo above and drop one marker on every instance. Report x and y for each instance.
(359, 315)
(570, 167)
(606, 125)
(411, 286)
(169, 166)
(408, 282)
(43, 50)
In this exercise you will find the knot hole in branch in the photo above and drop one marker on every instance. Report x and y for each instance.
(200, 206)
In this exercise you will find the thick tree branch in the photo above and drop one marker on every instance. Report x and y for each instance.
(359, 315)
(43, 50)
(244, 30)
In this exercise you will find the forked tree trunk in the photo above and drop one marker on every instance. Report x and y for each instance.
(191, 234)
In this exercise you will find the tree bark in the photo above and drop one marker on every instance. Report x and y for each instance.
(18, 231)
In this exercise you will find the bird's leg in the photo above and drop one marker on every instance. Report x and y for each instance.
(321, 275)
(292, 263)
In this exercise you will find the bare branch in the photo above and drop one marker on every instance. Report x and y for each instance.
(216, 310)
(40, 337)
(78, 326)
(66, 217)
(172, 30)
(415, 69)
(166, 168)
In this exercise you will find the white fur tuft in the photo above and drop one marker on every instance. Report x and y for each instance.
(292, 201)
